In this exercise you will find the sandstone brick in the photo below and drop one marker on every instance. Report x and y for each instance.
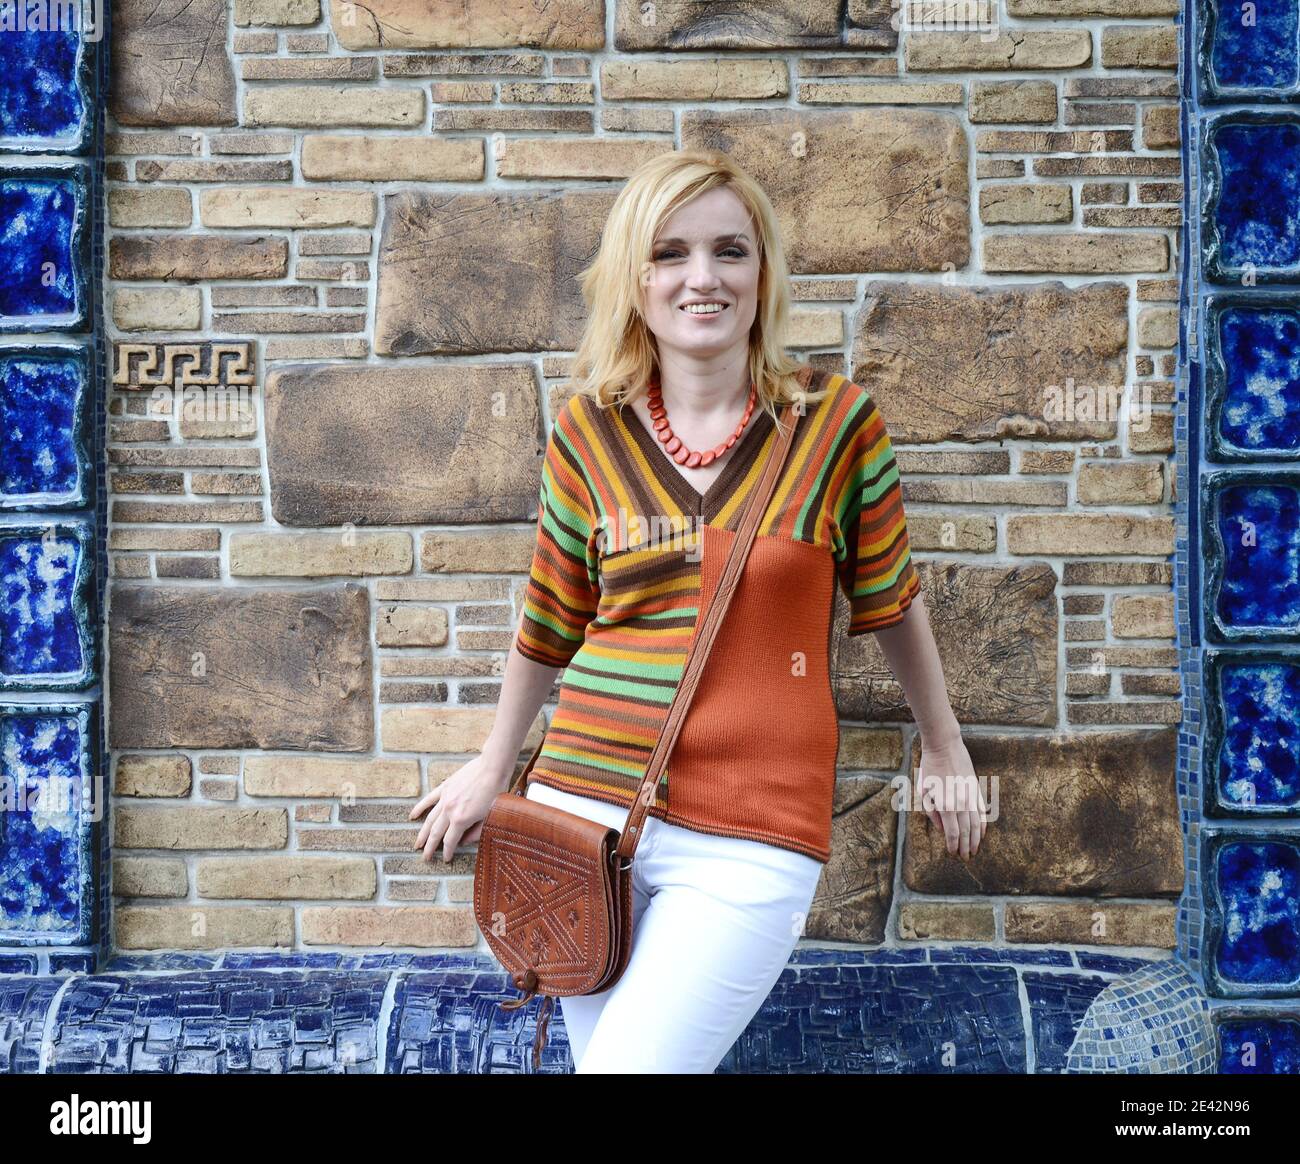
(271, 206)
(142, 775)
(439, 729)
(427, 444)
(685, 79)
(195, 827)
(1092, 534)
(573, 25)
(201, 927)
(363, 106)
(157, 308)
(506, 551)
(1099, 923)
(452, 271)
(371, 158)
(1035, 360)
(409, 626)
(1132, 483)
(1013, 101)
(276, 12)
(149, 877)
(880, 93)
(327, 777)
(1143, 616)
(1077, 815)
(224, 667)
(1140, 47)
(197, 256)
(590, 158)
(1160, 129)
(946, 921)
(149, 86)
(140, 207)
(1075, 254)
(1157, 327)
(996, 630)
(318, 555)
(1062, 48)
(764, 25)
(272, 878)
(396, 925)
(310, 69)
(1022, 204)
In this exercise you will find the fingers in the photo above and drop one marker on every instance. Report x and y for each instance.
(426, 802)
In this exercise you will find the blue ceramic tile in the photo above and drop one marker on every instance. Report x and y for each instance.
(46, 640)
(1252, 744)
(1255, 58)
(43, 213)
(1252, 533)
(1253, 383)
(44, 462)
(47, 798)
(1253, 911)
(1252, 211)
(45, 85)
(1259, 1047)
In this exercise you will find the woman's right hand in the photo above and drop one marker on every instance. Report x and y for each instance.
(458, 806)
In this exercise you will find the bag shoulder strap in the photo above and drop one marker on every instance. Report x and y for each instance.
(702, 642)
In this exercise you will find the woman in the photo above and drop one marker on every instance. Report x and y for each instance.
(680, 376)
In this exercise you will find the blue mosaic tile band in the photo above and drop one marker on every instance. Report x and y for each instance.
(46, 89)
(833, 1011)
(43, 230)
(45, 461)
(48, 802)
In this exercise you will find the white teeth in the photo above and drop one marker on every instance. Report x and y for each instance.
(703, 309)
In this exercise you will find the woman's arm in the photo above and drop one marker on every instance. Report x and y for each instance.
(947, 774)
(458, 806)
(910, 650)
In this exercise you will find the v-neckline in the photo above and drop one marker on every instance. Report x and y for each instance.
(684, 493)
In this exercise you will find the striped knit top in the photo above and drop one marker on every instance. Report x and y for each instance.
(628, 554)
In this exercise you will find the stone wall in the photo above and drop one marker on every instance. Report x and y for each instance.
(340, 294)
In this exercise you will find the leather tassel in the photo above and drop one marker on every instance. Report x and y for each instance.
(544, 1013)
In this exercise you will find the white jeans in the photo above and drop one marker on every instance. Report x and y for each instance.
(715, 920)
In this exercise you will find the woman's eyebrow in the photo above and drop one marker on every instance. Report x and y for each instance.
(718, 239)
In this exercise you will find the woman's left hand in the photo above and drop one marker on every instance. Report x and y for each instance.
(952, 797)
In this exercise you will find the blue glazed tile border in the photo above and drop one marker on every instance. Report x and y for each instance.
(1255, 932)
(47, 89)
(1218, 447)
(1213, 487)
(78, 619)
(1261, 743)
(1276, 18)
(58, 839)
(67, 186)
(72, 432)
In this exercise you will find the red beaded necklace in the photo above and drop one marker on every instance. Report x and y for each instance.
(673, 445)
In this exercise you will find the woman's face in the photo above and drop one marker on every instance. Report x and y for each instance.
(706, 251)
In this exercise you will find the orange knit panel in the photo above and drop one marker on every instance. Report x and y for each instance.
(756, 754)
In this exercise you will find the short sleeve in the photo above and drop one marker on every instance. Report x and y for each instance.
(563, 590)
(873, 557)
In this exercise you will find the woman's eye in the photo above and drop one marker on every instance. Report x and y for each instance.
(735, 252)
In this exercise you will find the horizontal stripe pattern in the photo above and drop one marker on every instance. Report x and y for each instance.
(619, 612)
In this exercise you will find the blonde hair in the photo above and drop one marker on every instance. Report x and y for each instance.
(616, 357)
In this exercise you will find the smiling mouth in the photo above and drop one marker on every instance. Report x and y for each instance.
(721, 308)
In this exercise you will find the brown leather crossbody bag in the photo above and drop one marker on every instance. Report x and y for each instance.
(553, 890)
